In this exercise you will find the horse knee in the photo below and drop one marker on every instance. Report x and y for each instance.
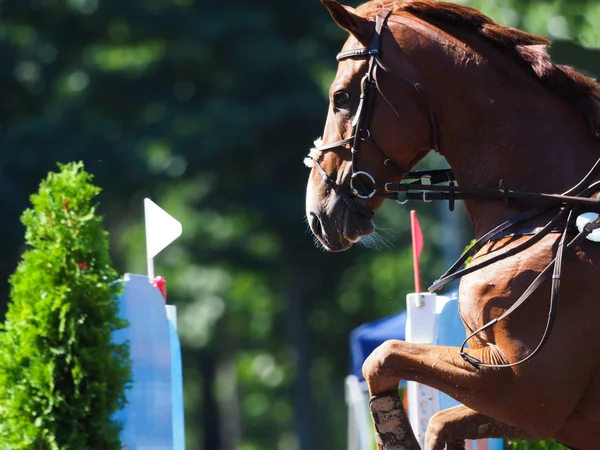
(440, 436)
(435, 435)
(379, 369)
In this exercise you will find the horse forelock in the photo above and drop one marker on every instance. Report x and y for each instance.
(529, 51)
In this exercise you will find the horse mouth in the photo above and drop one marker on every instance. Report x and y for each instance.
(343, 232)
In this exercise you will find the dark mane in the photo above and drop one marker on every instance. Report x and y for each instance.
(527, 50)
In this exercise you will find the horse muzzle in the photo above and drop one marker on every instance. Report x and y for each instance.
(338, 232)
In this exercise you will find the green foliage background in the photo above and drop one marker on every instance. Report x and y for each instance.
(208, 108)
(61, 377)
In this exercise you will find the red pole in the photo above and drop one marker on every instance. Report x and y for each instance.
(417, 246)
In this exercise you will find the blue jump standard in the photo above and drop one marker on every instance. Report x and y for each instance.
(153, 417)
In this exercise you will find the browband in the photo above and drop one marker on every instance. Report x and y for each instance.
(363, 52)
(380, 19)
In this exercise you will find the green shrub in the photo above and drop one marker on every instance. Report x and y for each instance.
(61, 377)
(535, 445)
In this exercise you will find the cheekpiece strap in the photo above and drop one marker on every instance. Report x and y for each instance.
(380, 19)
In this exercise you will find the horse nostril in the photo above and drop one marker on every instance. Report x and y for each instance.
(315, 224)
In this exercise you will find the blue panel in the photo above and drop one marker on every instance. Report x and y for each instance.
(177, 389)
(495, 444)
(147, 417)
(450, 331)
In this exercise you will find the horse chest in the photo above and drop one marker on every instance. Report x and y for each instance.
(485, 294)
(482, 297)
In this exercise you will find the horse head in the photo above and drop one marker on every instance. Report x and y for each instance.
(380, 123)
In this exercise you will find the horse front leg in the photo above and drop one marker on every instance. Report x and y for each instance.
(436, 366)
(449, 428)
(440, 367)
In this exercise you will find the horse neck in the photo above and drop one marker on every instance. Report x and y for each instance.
(506, 126)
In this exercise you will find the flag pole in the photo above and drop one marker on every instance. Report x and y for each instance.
(150, 263)
(416, 247)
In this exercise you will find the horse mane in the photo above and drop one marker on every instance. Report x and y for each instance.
(527, 50)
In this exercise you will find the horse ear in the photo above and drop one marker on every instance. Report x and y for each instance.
(346, 18)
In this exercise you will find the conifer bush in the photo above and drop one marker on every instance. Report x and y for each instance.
(61, 377)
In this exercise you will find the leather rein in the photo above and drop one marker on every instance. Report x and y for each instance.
(425, 186)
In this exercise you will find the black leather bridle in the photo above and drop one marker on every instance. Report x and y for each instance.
(422, 185)
(362, 184)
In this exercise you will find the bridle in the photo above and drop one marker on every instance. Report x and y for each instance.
(422, 185)
(367, 187)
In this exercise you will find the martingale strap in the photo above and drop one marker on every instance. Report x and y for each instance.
(554, 269)
(454, 272)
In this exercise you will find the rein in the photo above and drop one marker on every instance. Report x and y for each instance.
(425, 185)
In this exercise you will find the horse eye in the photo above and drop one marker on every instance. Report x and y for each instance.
(341, 98)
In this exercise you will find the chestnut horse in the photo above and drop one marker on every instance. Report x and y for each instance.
(420, 75)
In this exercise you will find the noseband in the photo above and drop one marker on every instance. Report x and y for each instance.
(367, 187)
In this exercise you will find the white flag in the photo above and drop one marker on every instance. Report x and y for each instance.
(161, 228)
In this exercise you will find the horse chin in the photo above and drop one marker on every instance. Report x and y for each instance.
(336, 247)
(344, 233)
(356, 226)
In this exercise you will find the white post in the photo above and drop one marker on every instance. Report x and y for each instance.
(421, 328)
